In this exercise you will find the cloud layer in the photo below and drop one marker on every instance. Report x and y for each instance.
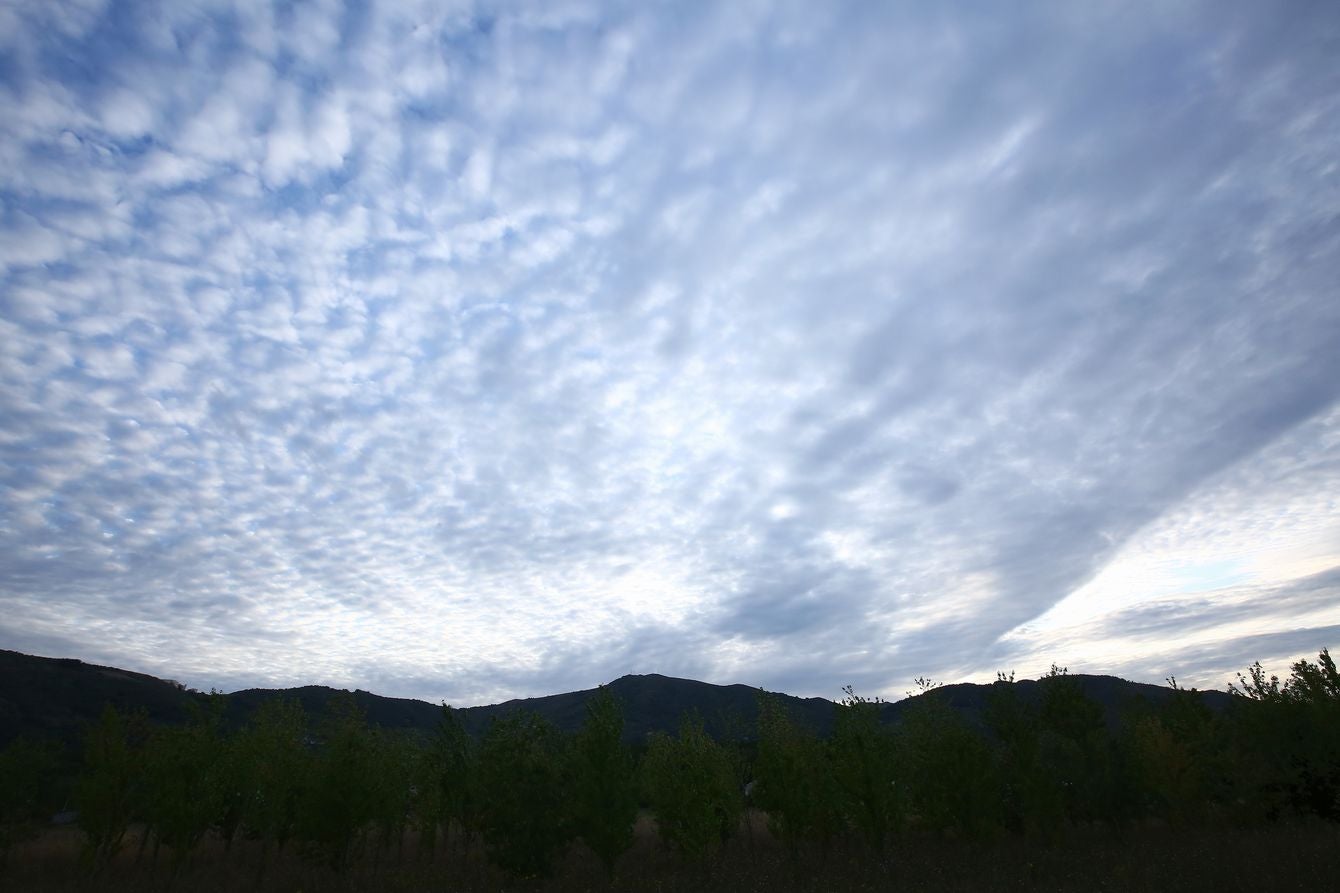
(469, 351)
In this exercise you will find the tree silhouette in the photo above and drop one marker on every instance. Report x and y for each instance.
(604, 781)
(691, 786)
(524, 805)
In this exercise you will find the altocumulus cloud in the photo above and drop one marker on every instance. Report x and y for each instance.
(476, 350)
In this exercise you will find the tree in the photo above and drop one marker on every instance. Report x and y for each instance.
(26, 768)
(1074, 749)
(1176, 756)
(864, 763)
(273, 766)
(525, 806)
(395, 766)
(795, 781)
(450, 790)
(340, 795)
(1029, 799)
(945, 770)
(1287, 737)
(691, 785)
(110, 781)
(604, 781)
(182, 793)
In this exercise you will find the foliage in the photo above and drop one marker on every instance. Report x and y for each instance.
(1177, 757)
(796, 784)
(945, 770)
(449, 790)
(273, 766)
(395, 766)
(690, 782)
(521, 774)
(340, 788)
(1288, 738)
(182, 793)
(26, 769)
(604, 781)
(1074, 750)
(864, 765)
(1039, 759)
(110, 783)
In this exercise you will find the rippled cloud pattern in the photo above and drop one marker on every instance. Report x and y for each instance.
(470, 351)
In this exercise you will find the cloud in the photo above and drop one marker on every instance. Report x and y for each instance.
(470, 352)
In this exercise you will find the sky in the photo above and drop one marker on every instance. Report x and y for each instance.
(469, 351)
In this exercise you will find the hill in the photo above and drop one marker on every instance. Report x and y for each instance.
(1111, 693)
(54, 697)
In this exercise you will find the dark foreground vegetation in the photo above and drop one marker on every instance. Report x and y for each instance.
(1039, 792)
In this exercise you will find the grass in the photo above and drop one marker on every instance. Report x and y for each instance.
(1279, 857)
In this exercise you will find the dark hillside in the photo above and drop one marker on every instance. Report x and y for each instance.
(47, 697)
(389, 713)
(1113, 694)
(51, 697)
(655, 703)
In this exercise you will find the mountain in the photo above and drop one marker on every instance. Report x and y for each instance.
(655, 703)
(54, 697)
(389, 713)
(1112, 694)
(651, 703)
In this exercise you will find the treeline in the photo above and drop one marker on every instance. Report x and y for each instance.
(335, 789)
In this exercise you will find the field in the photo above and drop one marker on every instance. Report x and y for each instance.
(1303, 856)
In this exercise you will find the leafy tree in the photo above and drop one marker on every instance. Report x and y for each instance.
(1074, 749)
(340, 794)
(26, 769)
(690, 782)
(1177, 756)
(1028, 798)
(395, 767)
(1287, 738)
(525, 807)
(182, 792)
(945, 769)
(864, 763)
(272, 767)
(795, 779)
(604, 781)
(110, 782)
(449, 788)
(1054, 756)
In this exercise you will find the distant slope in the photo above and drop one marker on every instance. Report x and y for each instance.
(1111, 693)
(54, 698)
(49, 697)
(655, 703)
(651, 703)
(389, 713)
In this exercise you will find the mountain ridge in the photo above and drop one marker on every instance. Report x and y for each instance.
(50, 697)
